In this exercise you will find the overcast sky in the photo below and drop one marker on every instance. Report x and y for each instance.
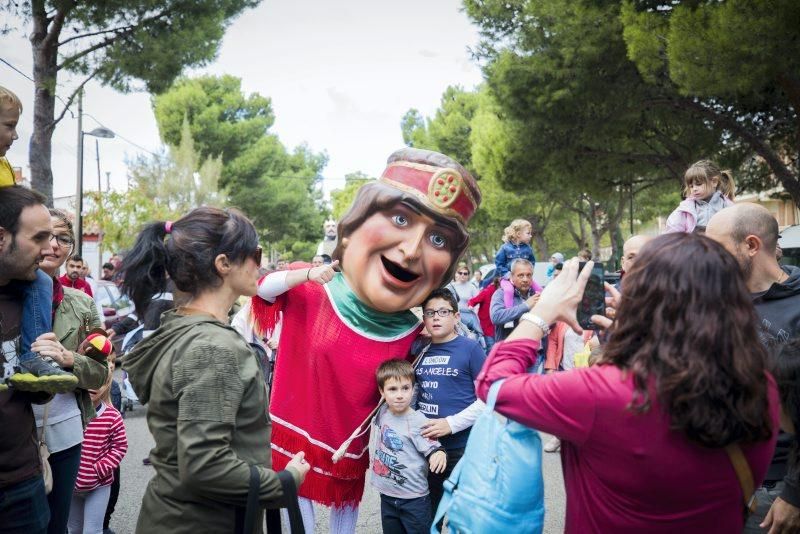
(340, 75)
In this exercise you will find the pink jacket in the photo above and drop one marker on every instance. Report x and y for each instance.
(623, 471)
(555, 344)
(684, 218)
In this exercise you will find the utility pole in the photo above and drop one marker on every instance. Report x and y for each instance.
(79, 180)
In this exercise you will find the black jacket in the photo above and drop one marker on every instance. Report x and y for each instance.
(779, 311)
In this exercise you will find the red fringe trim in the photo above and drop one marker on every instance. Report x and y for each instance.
(324, 489)
(346, 468)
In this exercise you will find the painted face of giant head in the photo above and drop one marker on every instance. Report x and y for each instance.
(404, 234)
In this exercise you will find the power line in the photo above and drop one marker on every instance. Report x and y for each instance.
(140, 147)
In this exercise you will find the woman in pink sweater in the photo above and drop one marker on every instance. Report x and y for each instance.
(683, 376)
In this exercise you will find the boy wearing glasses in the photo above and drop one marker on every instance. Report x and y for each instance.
(31, 372)
(446, 384)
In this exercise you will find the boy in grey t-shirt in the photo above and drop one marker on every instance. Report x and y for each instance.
(399, 467)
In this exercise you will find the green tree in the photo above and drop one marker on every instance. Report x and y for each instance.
(342, 199)
(115, 42)
(162, 187)
(278, 189)
(735, 64)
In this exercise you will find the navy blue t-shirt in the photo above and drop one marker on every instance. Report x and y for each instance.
(446, 378)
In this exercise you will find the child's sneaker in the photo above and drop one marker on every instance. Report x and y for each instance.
(42, 375)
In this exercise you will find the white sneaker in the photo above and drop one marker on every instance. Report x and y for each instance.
(552, 445)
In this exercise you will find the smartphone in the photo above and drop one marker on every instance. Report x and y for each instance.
(594, 297)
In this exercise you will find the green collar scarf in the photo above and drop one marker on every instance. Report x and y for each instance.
(370, 323)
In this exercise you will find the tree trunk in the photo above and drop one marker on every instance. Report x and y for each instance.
(45, 71)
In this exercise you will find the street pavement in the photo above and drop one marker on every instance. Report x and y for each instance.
(135, 476)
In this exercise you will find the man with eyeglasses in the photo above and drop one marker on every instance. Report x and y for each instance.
(463, 290)
(72, 278)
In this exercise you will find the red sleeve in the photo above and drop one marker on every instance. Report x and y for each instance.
(553, 346)
(560, 403)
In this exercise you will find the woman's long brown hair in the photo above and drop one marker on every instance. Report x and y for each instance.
(686, 331)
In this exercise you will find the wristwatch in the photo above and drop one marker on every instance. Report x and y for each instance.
(538, 321)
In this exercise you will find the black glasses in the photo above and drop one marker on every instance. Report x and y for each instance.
(63, 240)
(441, 312)
(256, 255)
(464, 272)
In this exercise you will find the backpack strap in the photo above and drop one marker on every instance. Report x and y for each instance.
(745, 476)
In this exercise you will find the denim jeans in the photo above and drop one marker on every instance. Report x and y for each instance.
(765, 496)
(406, 516)
(23, 507)
(37, 312)
(64, 465)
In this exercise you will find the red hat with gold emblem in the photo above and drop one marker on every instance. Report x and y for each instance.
(434, 179)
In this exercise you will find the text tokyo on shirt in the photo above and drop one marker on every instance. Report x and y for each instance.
(446, 379)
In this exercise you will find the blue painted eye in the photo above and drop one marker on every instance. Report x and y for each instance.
(400, 220)
(438, 240)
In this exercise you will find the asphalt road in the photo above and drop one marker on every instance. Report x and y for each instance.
(135, 476)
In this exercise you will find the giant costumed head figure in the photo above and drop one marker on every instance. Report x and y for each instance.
(401, 239)
(404, 233)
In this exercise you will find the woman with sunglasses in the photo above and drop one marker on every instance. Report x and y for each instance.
(202, 382)
(74, 316)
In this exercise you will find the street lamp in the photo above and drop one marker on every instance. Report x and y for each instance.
(105, 133)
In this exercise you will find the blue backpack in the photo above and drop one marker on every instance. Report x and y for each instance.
(497, 486)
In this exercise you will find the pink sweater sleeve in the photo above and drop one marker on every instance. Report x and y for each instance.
(560, 403)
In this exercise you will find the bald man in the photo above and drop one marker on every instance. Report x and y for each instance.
(750, 233)
(631, 249)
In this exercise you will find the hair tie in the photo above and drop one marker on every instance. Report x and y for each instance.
(168, 227)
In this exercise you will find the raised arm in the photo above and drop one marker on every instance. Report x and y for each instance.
(278, 283)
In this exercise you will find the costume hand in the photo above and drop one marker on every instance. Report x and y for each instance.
(782, 517)
(612, 303)
(438, 462)
(436, 428)
(272, 344)
(559, 300)
(299, 464)
(47, 345)
(322, 274)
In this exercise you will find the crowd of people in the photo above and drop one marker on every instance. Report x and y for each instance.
(277, 390)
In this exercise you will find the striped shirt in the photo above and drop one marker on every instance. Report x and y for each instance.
(104, 446)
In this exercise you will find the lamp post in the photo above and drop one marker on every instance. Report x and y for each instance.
(105, 133)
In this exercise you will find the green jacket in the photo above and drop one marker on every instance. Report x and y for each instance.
(74, 318)
(207, 411)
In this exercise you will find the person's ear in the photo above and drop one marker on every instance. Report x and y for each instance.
(753, 244)
(5, 237)
(222, 264)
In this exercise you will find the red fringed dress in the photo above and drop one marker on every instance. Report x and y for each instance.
(324, 386)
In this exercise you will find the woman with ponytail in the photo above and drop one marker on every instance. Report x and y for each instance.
(202, 382)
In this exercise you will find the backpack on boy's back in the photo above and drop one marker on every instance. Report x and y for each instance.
(497, 486)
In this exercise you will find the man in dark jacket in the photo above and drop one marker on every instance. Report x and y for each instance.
(25, 233)
(750, 233)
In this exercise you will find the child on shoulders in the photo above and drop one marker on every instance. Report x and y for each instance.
(402, 454)
(707, 190)
(516, 244)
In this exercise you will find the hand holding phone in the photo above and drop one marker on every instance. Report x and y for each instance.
(593, 301)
